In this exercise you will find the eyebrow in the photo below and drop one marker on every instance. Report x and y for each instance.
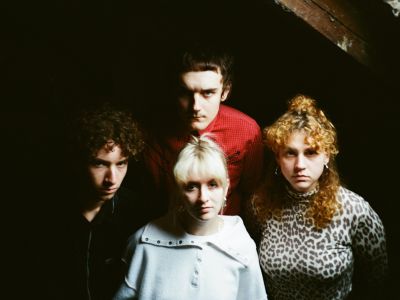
(289, 148)
(186, 88)
(209, 90)
(123, 160)
(106, 162)
(94, 160)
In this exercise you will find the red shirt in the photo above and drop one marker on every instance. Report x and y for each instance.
(240, 138)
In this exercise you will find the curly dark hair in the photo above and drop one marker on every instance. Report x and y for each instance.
(94, 128)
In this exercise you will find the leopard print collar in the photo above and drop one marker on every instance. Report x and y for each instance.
(299, 196)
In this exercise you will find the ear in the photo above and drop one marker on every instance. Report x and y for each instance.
(225, 93)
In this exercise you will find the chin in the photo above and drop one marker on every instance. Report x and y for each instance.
(204, 218)
(198, 126)
(302, 188)
(106, 197)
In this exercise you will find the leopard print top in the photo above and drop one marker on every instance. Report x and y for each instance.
(302, 262)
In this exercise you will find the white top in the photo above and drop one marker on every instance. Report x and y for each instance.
(167, 263)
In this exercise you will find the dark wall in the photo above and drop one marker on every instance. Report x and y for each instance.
(59, 56)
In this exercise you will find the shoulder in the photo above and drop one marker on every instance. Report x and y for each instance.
(153, 227)
(132, 244)
(234, 116)
(151, 232)
(235, 231)
(352, 202)
(235, 129)
(160, 226)
(236, 241)
(357, 209)
(163, 231)
(233, 222)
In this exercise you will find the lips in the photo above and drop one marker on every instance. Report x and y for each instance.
(197, 117)
(301, 177)
(205, 209)
(109, 191)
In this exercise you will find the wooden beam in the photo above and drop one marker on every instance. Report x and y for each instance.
(340, 22)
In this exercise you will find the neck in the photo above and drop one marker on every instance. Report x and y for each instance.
(296, 195)
(90, 209)
(196, 227)
(91, 214)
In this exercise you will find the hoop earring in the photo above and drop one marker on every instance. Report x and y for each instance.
(326, 166)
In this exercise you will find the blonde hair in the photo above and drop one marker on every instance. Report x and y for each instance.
(203, 157)
(302, 115)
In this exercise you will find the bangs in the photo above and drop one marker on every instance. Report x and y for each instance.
(207, 166)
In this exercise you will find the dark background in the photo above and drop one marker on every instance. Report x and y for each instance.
(57, 56)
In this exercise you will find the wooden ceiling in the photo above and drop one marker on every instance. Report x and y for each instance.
(353, 26)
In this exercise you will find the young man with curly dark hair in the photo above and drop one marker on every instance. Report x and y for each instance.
(82, 257)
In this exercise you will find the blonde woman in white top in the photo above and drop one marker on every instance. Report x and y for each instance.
(194, 252)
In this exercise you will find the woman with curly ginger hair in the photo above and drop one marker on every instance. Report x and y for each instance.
(313, 230)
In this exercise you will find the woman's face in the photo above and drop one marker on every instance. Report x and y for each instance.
(301, 164)
(203, 198)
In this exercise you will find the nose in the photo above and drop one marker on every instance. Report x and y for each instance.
(196, 102)
(111, 176)
(204, 194)
(300, 163)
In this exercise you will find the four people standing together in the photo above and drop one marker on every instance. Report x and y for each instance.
(207, 168)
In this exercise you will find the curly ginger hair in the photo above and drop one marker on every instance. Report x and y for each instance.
(302, 115)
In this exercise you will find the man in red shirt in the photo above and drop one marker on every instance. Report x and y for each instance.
(205, 81)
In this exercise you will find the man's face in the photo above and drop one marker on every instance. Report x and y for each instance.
(107, 171)
(202, 94)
